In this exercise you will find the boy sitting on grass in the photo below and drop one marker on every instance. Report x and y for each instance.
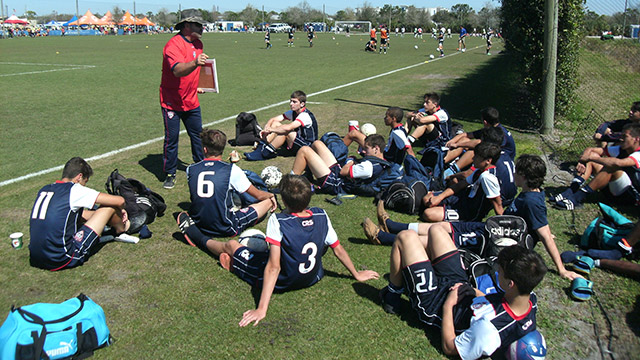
(334, 179)
(439, 291)
(529, 205)
(65, 228)
(398, 144)
(298, 238)
(469, 199)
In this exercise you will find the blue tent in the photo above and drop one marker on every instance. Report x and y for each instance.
(74, 18)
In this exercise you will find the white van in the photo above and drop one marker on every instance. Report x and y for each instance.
(279, 27)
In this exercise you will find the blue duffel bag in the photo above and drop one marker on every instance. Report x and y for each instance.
(71, 329)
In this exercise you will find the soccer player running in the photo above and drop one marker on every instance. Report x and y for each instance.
(489, 34)
(441, 42)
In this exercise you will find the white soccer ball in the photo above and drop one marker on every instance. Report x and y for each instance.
(505, 242)
(254, 239)
(368, 129)
(271, 176)
(463, 50)
(415, 47)
(431, 56)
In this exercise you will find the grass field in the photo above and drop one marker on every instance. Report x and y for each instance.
(64, 97)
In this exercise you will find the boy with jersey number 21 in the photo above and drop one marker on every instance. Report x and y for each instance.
(298, 237)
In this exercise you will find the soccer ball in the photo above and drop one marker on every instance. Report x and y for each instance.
(531, 346)
(254, 239)
(271, 176)
(415, 47)
(431, 56)
(463, 50)
(368, 129)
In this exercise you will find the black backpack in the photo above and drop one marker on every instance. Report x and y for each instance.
(405, 198)
(247, 130)
(142, 204)
(507, 230)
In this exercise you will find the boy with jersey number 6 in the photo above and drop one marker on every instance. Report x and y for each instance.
(298, 238)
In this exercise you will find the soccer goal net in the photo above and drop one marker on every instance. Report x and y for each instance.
(355, 27)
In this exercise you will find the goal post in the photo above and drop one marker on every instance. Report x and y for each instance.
(355, 27)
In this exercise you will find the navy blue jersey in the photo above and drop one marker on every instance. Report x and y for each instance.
(442, 131)
(508, 145)
(307, 132)
(211, 183)
(473, 203)
(302, 241)
(530, 206)
(493, 327)
(616, 130)
(505, 172)
(397, 145)
(55, 218)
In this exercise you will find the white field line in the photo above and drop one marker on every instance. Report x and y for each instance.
(66, 67)
(160, 138)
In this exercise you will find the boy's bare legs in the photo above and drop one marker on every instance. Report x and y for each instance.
(224, 251)
(97, 219)
(421, 130)
(452, 154)
(440, 242)
(354, 135)
(307, 157)
(323, 151)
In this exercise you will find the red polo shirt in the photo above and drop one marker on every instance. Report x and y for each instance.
(179, 93)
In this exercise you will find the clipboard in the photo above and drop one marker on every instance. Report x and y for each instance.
(208, 81)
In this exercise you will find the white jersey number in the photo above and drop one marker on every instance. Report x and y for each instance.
(420, 287)
(312, 250)
(40, 208)
(205, 187)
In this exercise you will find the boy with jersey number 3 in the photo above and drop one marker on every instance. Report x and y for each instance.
(298, 237)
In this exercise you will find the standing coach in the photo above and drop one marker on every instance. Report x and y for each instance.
(182, 57)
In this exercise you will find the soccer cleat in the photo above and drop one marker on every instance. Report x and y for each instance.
(184, 221)
(371, 231)
(390, 301)
(625, 246)
(383, 216)
(566, 204)
(170, 181)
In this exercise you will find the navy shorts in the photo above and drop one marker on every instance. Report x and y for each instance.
(469, 235)
(80, 247)
(428, 284)
(244, 218)
(249, 265)
(332, 183)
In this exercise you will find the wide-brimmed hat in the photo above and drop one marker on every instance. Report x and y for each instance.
(190, 15)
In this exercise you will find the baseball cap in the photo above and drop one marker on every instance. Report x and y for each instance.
(190, 15)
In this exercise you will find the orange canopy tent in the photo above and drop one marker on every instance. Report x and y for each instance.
(127, 19)
(87, 19)
(107, 19)
(144, 21)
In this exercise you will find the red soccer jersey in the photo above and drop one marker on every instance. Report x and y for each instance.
(179, 93)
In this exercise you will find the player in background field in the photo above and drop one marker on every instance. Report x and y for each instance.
(489, 43)
(267, 39)
(462, 46)
(310, 35)
(290, 33)
(384, 39)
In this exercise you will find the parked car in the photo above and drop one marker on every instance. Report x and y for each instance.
(279, 27)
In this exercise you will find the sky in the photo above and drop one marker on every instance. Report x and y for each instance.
(45, 7)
